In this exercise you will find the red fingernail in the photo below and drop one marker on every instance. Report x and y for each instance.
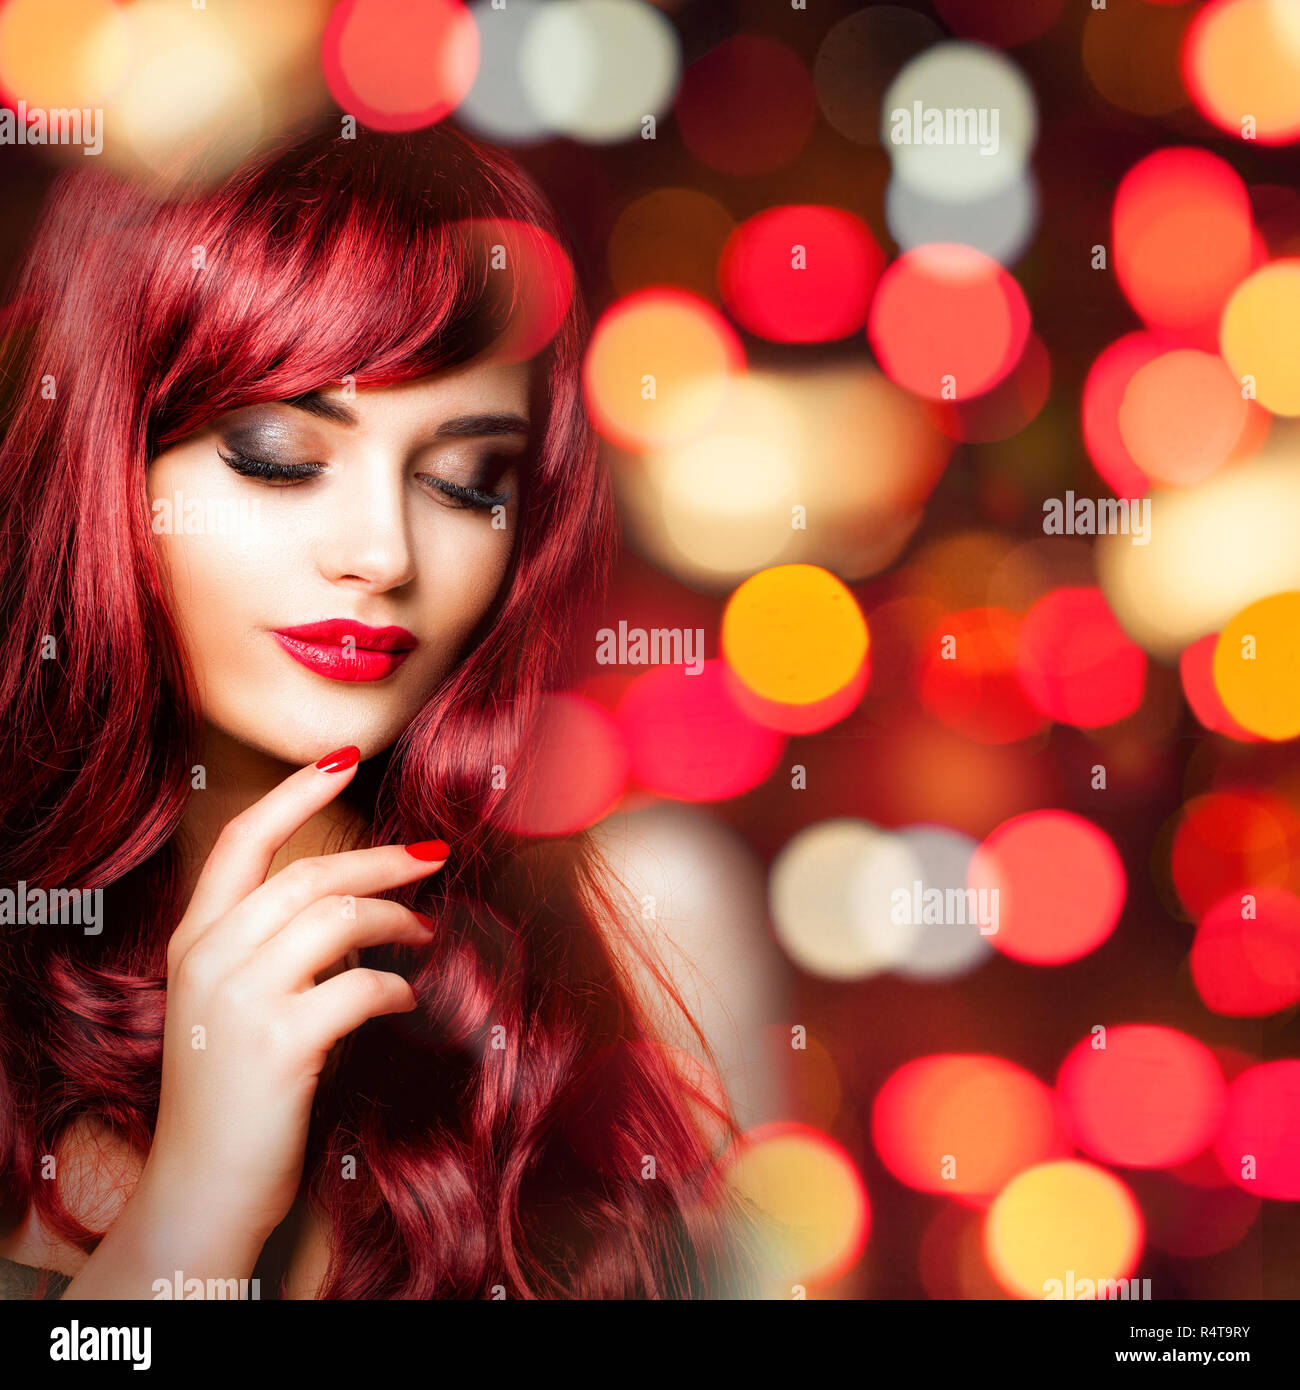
(340, 760)
(429, 849)
(425, 922)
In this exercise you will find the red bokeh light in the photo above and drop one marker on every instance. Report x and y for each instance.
(975, 690)
(948, 319)
(1261, 1131)
(1249, 966)
(580, 770)
(1005, 24)
(1075, 663)
(399, 64)
(1060, 883)
(800, 274)
(689, 739)
(1150, 1098)
(1233, 842)
(1007, 408)
(1103, 392)
(1183, 238)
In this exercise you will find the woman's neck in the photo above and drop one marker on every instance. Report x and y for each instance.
(236, 775)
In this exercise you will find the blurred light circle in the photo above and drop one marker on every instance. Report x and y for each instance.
(399, 64)
(1065, 1221)
(1075, 663)
(670, 236)
(1182, 416)
(964, 1125)
(497, 105)
(1247, 967)
(1212, 548)
(1259, 1143)
(747, 106)
(533, 277)
(777, 477)
(1257, 335)
(943, 950)
(800, 274)
(658, 368)
(688, 739)
(1131, 54)
(578, 775)
(970, 683)
(801, 719)
(948, 322)
(595, 69)
(1005, 410)
(794, 634)
(859, 58)
(58, 54)
(811, 1193)
(1060, 886)
(1182, 230)
(1103, 392)
(1241, 59)
(960, 84)
(1000, 225)
(830, 894)
(1257, 666)
(1150, 1098)
(1006, 24)
(1196, 671)
(1233, 841)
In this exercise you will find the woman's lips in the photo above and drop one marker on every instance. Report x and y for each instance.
(346, 650)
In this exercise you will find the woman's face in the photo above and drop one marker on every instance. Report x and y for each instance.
(329, 556)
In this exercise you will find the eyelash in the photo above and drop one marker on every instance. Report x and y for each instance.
(264, 471)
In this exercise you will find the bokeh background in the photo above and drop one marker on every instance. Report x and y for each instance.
(838, 376)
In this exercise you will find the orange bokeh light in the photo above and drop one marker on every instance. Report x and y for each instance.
(964, 1125)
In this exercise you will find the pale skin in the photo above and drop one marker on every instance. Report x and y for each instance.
(264, 959)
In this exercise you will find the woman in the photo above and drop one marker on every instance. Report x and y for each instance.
(411, 1064)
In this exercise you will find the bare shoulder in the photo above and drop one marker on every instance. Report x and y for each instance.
(691, 897)
(97, 1171)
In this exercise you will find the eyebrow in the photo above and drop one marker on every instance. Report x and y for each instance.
(459, 427)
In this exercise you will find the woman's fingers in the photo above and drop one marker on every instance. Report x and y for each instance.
(358, 873)
(241, 857)
(331, 1010)
(326, 931)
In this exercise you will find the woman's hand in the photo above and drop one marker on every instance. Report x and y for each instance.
(248, 1029)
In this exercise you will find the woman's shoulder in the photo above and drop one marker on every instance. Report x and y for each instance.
(691, 906)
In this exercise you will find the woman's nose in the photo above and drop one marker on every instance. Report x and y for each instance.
(369, 540)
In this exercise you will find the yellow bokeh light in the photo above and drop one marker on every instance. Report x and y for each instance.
(62, 53)
(809, 1190)
(794, 634)
(1257, 666)
(658, 368)
(1257, 335)
(1065, 1221)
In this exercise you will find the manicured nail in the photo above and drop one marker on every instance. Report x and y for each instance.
(340, 760)
(429, 849)
(425, 922)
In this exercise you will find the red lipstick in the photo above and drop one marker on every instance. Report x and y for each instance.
(346, 650)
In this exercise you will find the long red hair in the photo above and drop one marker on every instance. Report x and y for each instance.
(501, 1135)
